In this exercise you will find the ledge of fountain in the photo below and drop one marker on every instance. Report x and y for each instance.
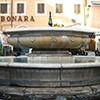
(50, 65)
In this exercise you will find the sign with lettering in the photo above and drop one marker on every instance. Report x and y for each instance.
(17, 18)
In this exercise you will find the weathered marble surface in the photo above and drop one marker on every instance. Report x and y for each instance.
(49, 75)
(40, 38)
(25, 91)
(49, 80)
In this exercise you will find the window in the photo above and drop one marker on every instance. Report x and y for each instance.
(20, 8)
(4, 8)
(40, 8)
(77, 8)
(59, 8)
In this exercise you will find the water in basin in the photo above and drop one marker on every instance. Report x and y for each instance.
(69, 59)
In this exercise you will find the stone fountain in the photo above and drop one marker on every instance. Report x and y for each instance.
(56, 80)
(49, 40)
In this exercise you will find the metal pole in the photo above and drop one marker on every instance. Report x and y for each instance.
(11, 13)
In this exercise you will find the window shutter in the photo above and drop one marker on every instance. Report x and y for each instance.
(40, 8)
(59, 8)
(77, 8)
(3, 8)
(20, 8)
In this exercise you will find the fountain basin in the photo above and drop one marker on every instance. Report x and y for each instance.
(44, 72)
(49, 42)
(38, 76)
(49, 38)
(41, 78)
(49, 75)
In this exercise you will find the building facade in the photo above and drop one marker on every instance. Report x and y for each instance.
(35, 13)
(94, 22)
(95, 15)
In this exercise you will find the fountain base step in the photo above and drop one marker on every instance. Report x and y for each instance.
(50, 93)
